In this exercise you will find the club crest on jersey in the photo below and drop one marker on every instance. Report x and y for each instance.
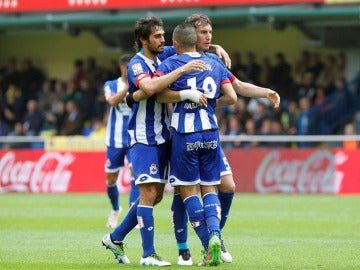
(153, 169)
(137, 68)
(108, 163)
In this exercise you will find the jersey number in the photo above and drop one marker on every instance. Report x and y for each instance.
(209, 86)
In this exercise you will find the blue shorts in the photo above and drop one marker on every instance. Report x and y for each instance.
(225, 168)
(195, 158)
(115, 159)
(150, 163)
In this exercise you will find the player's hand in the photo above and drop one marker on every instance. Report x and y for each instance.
(194, 65)
(223, 55)
(193, 95)
(203, 100)
(274, 98)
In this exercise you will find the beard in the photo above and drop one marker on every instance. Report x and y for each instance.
(156, 50)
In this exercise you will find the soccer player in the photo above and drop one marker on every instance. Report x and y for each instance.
(116, 139)
(195, 150)
(226, 188)
(149, 139)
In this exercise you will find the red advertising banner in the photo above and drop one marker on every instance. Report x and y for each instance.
(309, 171)
(71, 5)
(37, 171)
(334, 171)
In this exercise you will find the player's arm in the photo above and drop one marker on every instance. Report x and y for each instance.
(115, 99)
(229, 96)
(154, 85)
(170, 96)
(250, 90)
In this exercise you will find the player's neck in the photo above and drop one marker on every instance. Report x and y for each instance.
(182, 50)
(150, 55)
(200, 51)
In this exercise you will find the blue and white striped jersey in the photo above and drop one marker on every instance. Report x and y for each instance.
(231, 77)
(188, 117)
(149, 121)
(117, 127)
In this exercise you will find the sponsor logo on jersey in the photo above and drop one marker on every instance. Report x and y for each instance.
(108, 163)
(137, 68)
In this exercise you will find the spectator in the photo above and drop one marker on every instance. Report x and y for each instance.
(277, 129)
(17, 131)
(320, 96)
(87, 96)
(266, 73)
(113, 71)
(315, 65)
(98, 129)
(46, 97)
(9, 75)
(73, 123)
(301, 66)
(55, 119)
(281, 76)
(306, 88)
(71, 93)
(265, 129)
(235, 129)
(31, 79)
(305, 122)
(350, 129)
(238, 68)
(253, 69)
(261, 113)
(78, 74)
(250, 129)
(93, 73)
(240, 109)
(12, 107)
(33, 119)
(328, 74)
(289, 118)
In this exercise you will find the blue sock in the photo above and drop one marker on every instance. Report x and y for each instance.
(197, 219)
(180, 220)
(225, 201)
(128, 223)
(146, 222)
(113, 194)
(134, 192)
(212, 212)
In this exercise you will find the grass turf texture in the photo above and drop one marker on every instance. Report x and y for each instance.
(44, 231)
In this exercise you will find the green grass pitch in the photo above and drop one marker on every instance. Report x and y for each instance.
(64, 231)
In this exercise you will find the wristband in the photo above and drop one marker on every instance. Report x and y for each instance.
(192, 94)
(130, 100)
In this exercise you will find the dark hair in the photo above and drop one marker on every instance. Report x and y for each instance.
(185, 34)
(143, 29)
(124, 59)
(198, 20)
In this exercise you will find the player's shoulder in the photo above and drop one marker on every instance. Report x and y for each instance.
(213, 56)
(135, 59)
(215, 59)
(137, 65)
(168, 52)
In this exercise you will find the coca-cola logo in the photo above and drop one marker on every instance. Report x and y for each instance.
(315, 174)
(47, 174)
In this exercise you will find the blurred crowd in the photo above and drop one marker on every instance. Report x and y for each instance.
(33, 104)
